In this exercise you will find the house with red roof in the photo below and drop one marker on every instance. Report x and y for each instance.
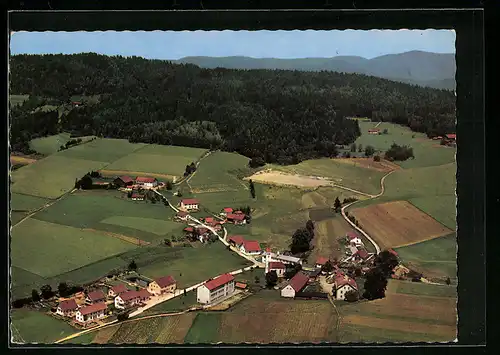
(132, 298)
(216, 289)
(320, 261)
(67, 308)
(226, 210)
(452, 136)
(236, 240)
(374, 131)
(354, 239)
(236, 218)
(189, 204)
(277, 266)
(123, 181)
(342, 285)
(209, 220)
(361, 256)
(137, 196)
(95, 297)
(250, 247)
(91, 313)
(295, 285)
(117, 290)
(162, 285)
(146, 182)
(182, 215)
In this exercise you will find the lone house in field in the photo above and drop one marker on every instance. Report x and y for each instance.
(132, 298)
(91, 313)
(95, 297)
(216, 289)
(189, 204)
(67, 308)
(342, 285)
(146, 182)
(296, 284)
(162, 285)
(117, 290)
(123, 181)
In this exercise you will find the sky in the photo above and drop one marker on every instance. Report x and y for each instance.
(257, 44)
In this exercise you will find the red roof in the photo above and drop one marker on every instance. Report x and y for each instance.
(268, 250)
(392, 252)
(251, 245)
(351, 235)
(145, 179)
(137, 196)
(228, 210)
(93, 308)
(68, 305)
(362, 254)
(451, 136)
(126, 178)
(273, 265)
(299, 281)
(343, 280)
(182, 214)
(120, 288)
(96, 295)
(374, 130)
(321, 260)
(236, 217)
(237, 239)
(130, 295)
(238, 212)
(202, 230)
(165, 281)
(219, 281)
(190, 201)
(209, 219)
(188, 229)
(240, 285)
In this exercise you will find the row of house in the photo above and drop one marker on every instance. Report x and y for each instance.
(249, 247)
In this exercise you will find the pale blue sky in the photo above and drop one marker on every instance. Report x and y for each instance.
(257, 44)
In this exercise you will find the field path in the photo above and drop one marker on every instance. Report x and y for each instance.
(190, 176)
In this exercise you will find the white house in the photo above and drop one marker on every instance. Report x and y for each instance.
(131, 298)
(250, 247)
(342, 285)
(162, 285)
(67, 308)
(182, 216)
(189, 204)
(215, 289)
(277, 266)
(354, 239)
(146, 182)
(296, 284)
(92, 312)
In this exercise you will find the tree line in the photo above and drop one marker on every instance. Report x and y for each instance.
(273, 116)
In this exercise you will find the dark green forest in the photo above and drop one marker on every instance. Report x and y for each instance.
(277, 116)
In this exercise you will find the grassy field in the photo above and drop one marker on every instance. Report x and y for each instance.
(52, 176)
(326, 234)
(17, 99)
(51, 144)
(111, 211)
(153, 158)
(407, 313)
(177, 304)
(20, 202)
(36, 327)
(67, 248)
(205, 329)
(349, 175)
(436, 258)
(427, 152)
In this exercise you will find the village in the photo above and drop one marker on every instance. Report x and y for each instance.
(128, 294)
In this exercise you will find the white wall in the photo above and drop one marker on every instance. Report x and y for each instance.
(288, 291)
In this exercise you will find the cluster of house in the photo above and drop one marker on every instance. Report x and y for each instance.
(355, 249)
(449, 139)
(96, 302)
(249, 247)
(126, 183)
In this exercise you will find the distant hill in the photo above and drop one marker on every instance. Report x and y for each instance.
(416, 67)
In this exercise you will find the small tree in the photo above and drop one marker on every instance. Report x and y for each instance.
(132, 266)
(385, 131)
(327, 267)
(376, 158)
(357, 272)
(63, 289)
(271, 278)
(337, 205)
(353, 147)
(360, 148)
(35, 296)
(369, 151)
(351, 296)
(122, 316)
(448, 281)
(257, 280)
(46, 291)
(168, 185)
(252, 188)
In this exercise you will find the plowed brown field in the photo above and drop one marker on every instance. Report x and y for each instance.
(397, 224)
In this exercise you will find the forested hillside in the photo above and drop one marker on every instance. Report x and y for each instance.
(274, 115)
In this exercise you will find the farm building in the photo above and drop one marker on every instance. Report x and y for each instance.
(342, 285)
(285, 259)
(147, 182)
(374, 131)
(209, 220)
(362, 256)
(137, 197)
(117, 290)
(241, 285)
(92, 312)
(311, 295)
(131, 298)
(320, 261)
(313, 275)
(123, 181)
(67, 308)
(162, 285)
(354, 239)
(189, 204)
(236, 240)
(95, 297)
(236, 218)
(296, 284)
(277, 266)
(226, 210)
(216, 289)
(351, 250)
(451, 137)
(250, 247)
(182, 215)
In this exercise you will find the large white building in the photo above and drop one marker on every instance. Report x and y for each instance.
(285, 259)
(146, 182)
(215, 289)
(189, 204)
(90, 313)
(342, 285)
(296, 284)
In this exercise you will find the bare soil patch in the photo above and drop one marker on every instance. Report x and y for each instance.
(278, 178)
(125, 238)
(368, 163)
(16, 159)
(399, 223)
